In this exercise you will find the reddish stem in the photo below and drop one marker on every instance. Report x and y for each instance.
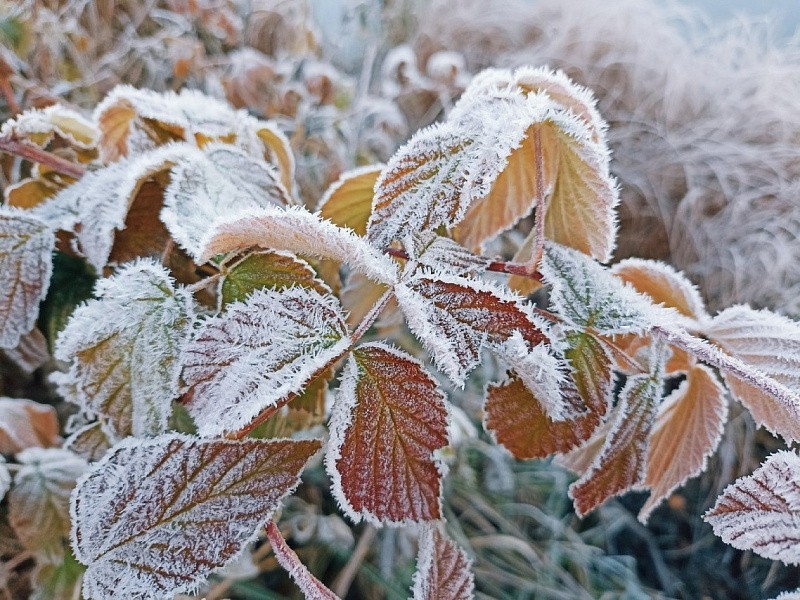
(43, 157)
(497, 266)
(312, 587)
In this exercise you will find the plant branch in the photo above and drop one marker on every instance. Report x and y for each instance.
(370, 318)
(541, 203)
(288, 559)
(345, 578)
(498, 266)
(35, 154)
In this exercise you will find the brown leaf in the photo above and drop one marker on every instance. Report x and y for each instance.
(687, 431)
(443, 569)
(143, 234)
(26, 424)
(388, 420)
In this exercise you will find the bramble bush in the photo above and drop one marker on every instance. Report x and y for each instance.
(224, 311)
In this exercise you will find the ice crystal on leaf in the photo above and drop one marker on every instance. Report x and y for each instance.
(587, 295)
(388, 420)
(437, 253)
(39, 126)
(91, 441)
(259, 352)
(124, 348)
(25, 424)
(39, 500)
(455, 318)
(687, 430)
(208, 186)
(301, 232)
(156, 516)
(761, 512)
(769, 343)
(26, 245)
(443, 569)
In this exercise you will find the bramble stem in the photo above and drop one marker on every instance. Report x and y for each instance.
(43, 157)
(371, 317)
(497, 266)
(541, 203)
(289, 560)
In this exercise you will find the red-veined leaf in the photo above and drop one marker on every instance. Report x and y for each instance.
(443, 255)
(259, 352)
(443, 569)
(26, 246)
(90, 442)
(761, 512)
(348, 201)
(388, 420)
(297, 230)
(687, 430)
(156, 516)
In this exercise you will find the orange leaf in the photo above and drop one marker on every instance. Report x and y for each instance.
(348, 201)
(443, 569)
(278, 152)
(687, 430)
(388, 421)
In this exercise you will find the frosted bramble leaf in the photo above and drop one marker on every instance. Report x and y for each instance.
(348, 200)
(769, 343)
(277, 151)
(124, 347)
(795, 595)
(587, 295)
(26, 424)
(297, 230)
(663, 284)
(26, 246)
(156, 516)
(212, 185)
(441, 254)
(39, 501)
(591, 368)
(621, 463)
(272, 270)
(31, 352)
(687, 431)
(455, 317)
(5, 478)
(39, 126)
(259, 352)
(312, 588)
(90, 442)
(443, 569)
(761, 512)
(388, 420)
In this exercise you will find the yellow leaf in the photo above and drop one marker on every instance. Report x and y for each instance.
(348, 201)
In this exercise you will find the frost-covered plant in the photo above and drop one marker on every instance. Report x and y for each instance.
(220, 292)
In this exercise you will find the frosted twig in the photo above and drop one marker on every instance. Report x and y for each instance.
(541, 204)
(37, 155)
(498, 266)
(371, 317)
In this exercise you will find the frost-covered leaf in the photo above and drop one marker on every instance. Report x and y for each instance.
(441, 254)
(348, 201)
(124, 347)
(31, 352)
(26, 424)
(687, 430)
(208, 186)
(39, 126)
(277, 151)
(5, 479)
(156, 516)
(26, 244)
(622, 461)
(58, 581)
(587, 295)
(761, 512)
(90, 442)
(259, 352)
(388, 420)
(771, 344)
(312, 588)
(443, 569)
(455, 317)
(272, 270)
(297, 230)
(663, 284)
(39, 500)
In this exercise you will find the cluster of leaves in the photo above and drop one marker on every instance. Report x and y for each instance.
(222, 298)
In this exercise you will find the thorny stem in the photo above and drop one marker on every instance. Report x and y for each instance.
(33, 153)
(541, 204)
(497, 266)
(289, 560)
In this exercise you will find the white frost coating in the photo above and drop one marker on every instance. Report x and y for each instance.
(542, 374)
(54, 119)
(31, 352)
(435, 177)
(5, 478)
(586, 294)
(156, 516)
(452, 324)
(312, 588)
(761, 512)
(258, 352)
(124, 346)
(795, 595)
(443, 569)
(39, 500)
(297, 230)
(440, 254)
(212, 185)
(26, 246)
